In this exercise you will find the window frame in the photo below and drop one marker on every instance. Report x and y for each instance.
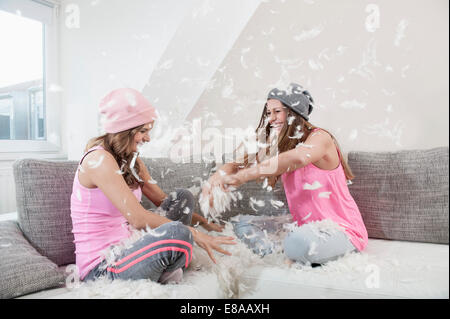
(13, 149)
(5, 96)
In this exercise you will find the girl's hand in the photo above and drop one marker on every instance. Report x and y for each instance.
(210, 243)
(214, 181)
(202, 221)
(213, 227)
(232, 181)
(206, 193)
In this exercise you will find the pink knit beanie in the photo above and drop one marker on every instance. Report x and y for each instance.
(125, 109)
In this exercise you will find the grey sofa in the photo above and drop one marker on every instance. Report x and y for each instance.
(403, 197)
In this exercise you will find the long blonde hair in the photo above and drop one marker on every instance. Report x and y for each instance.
(298, 127)
(120, 146)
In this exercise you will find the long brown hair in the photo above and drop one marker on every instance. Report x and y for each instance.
(120, 147)
(299, 128)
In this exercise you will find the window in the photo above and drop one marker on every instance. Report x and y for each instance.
(29, 113)
(6, 106)
(22, 76)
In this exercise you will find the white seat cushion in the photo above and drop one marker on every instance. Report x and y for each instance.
(385, 269)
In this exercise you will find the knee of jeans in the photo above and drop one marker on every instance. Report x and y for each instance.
(296, 246)
(239, 224)
(242, 228)
(179, 231)
(186, 195)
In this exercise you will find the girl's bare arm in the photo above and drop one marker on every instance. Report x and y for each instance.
(101, 169)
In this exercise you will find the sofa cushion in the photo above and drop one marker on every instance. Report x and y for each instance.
(43, 190)
(22, 269)
(403, 195)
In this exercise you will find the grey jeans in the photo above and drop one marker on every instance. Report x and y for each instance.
(305, 244)
(167, 248)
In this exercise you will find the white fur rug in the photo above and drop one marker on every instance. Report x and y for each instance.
(204, 279)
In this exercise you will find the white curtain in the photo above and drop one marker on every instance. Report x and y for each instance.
(39, 10)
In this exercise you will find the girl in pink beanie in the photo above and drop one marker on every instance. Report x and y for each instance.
(105, 203)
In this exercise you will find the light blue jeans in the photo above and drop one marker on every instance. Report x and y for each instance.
(166, 249)
(305, 244)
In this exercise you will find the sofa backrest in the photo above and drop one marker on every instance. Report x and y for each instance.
(186, 175)
(257, 200)
(43, 190)
(170, 176)
(403, 195)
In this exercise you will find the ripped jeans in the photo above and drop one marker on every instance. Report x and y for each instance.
(304, 244)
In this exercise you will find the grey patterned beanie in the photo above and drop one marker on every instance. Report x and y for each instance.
(296, 98)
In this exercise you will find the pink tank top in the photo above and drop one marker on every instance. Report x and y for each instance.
(315, 194)
(97, 223)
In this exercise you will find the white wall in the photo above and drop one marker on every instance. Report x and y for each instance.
(377, 87)
(116, 45)
(137, 44)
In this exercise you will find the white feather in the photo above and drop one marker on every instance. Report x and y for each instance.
(276, 203)
(95, 164)
(314, 186)
(291, 119)
(265, 183)
(307, 216)
(325, 195)
(312, 249)
(78, 194)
